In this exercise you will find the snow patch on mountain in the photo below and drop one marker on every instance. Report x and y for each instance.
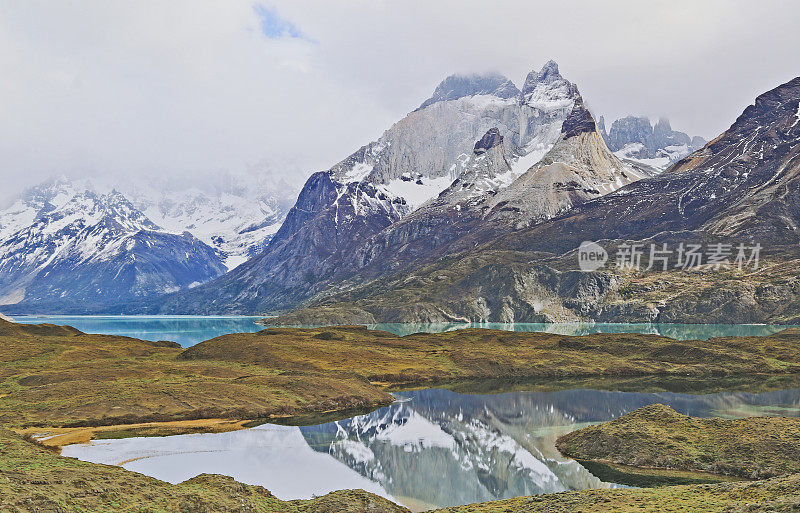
(485, 101)
(416, 431)
(416, 191)
(237, 226)
(797, 116)
(549, 97)
(358, 172)
(631, 150)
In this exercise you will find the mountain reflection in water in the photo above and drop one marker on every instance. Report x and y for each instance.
(432, 448)
(439, 448)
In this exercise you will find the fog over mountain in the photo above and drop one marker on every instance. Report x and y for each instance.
(181, 90)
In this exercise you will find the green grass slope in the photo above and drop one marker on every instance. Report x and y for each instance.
(657, 436)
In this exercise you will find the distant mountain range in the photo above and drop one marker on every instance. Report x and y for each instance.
(68, 245)
(470, 208)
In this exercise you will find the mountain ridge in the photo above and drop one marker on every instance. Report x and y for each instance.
(741, 188)
(82, 246)
(395, 177)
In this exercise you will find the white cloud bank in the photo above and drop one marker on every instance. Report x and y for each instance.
(181, 88)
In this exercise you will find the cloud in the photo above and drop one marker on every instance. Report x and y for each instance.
(186, 88)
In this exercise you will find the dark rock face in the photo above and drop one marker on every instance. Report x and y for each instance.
(317, 195)
(459, 86)
(578, 122)
(491, 139)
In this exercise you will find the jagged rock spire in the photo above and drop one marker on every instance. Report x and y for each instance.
(547, 90)
(547, 75)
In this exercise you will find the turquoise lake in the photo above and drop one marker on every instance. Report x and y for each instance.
(189, 330)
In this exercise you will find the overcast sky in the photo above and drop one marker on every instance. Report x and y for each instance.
(176, 88)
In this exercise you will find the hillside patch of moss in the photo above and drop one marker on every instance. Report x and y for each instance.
(657, 436)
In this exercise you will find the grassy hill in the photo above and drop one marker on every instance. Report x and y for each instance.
(657, 436)
(52, 376)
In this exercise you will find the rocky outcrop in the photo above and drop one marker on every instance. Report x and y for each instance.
(635, 139)
(487, 171)
(578, 169)
(490, 139)
(579, 121)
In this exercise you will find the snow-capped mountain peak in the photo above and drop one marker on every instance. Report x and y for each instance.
(413, 163)
(346, 217)
(237, 226)
(547, 90)
(71, 245)
(460, 86)
(69, 239)
(547, 75)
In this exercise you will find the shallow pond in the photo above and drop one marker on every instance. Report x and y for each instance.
(432, 448)
(189, 330)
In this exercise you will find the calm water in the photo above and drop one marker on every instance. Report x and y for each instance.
(432, 448)
(189, 330)
(185, 330)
